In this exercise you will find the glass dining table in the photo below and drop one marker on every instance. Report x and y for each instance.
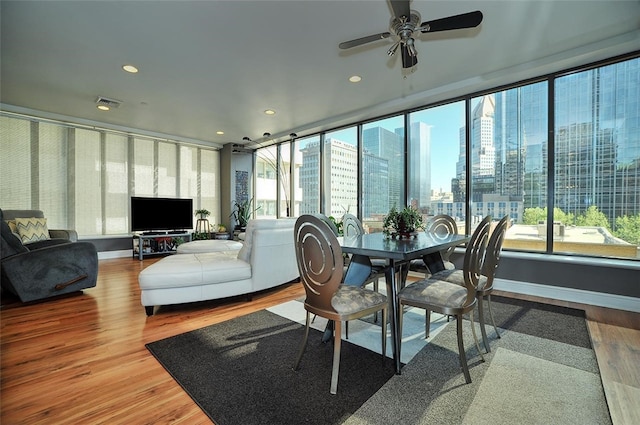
(399, 252)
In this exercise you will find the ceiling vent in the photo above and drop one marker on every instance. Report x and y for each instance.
(111, 103)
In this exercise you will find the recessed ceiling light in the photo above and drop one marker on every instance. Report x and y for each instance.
(355, 78)
(130, 68)
(219, 133)
(103, 107)
(270, 112)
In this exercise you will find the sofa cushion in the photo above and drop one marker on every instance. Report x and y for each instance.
(32, 229)
(263, 223)
(212, 245)
(194, 269)
(13, 227)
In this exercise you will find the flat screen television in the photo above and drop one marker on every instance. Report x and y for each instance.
(156, 214)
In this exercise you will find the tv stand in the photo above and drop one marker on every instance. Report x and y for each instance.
(158, 243)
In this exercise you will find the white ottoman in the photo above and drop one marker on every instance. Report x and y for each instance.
(214, 245)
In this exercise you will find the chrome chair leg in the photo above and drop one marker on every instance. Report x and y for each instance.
(491, 315)
(337, 339)
(375, 288)
(427, 323)
(384, 334)
(461, 353)
(399, 329)
(304, 343)
(485, 340)
(475, 337)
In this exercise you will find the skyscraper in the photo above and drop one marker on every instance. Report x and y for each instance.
(386, 144)
(420, 166)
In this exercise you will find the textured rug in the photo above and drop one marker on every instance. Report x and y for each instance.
(541, 371)
(240, 372)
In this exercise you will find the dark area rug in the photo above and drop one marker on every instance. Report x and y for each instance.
(546, 321)
(240, 372)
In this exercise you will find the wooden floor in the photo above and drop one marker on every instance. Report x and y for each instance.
(82, 359)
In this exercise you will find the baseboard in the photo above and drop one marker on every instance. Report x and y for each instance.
(618, 302)
(108, 255)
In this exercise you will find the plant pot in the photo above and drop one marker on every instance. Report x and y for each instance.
(404, 234)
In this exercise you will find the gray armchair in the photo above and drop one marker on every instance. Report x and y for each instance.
(45, 268)
(68, 235)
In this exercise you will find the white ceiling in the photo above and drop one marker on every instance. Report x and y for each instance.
(217, 65)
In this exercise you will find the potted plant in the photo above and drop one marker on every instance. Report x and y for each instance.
(220, 231)
(242, 213)
(203, 213)
(402, 223)
(337, 223)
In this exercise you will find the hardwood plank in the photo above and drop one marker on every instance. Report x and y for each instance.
(81, 358)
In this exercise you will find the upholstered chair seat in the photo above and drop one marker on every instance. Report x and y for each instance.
(436, 292)
(351, 299)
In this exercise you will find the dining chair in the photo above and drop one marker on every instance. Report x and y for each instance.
(440, 226)
(433, 294)
(487, 274)
(485, 286)
(359, 271)
(352, 226)
(320, 262)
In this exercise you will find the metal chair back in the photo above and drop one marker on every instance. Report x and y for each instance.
(319, 258)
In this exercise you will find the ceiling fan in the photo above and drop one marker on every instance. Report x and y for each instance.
(405, 22)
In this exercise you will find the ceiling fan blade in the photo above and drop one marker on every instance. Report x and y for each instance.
(408, 60)
(465, 20)
(363, 40)
(400, 8)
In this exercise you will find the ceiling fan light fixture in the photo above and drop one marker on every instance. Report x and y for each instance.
(411, 47)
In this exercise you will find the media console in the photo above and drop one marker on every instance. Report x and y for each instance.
(158, 243)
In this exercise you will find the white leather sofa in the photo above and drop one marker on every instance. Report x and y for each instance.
(266, 259)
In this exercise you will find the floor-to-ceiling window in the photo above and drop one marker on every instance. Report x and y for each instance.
(340, 172)
(267, 166)
(116, 184)
(273, 181)
(87, 188)
(509, 161)
(597, 161)
(307, 179)
(437, 161)
(382, 171)
(82, 178)
(589, 171)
